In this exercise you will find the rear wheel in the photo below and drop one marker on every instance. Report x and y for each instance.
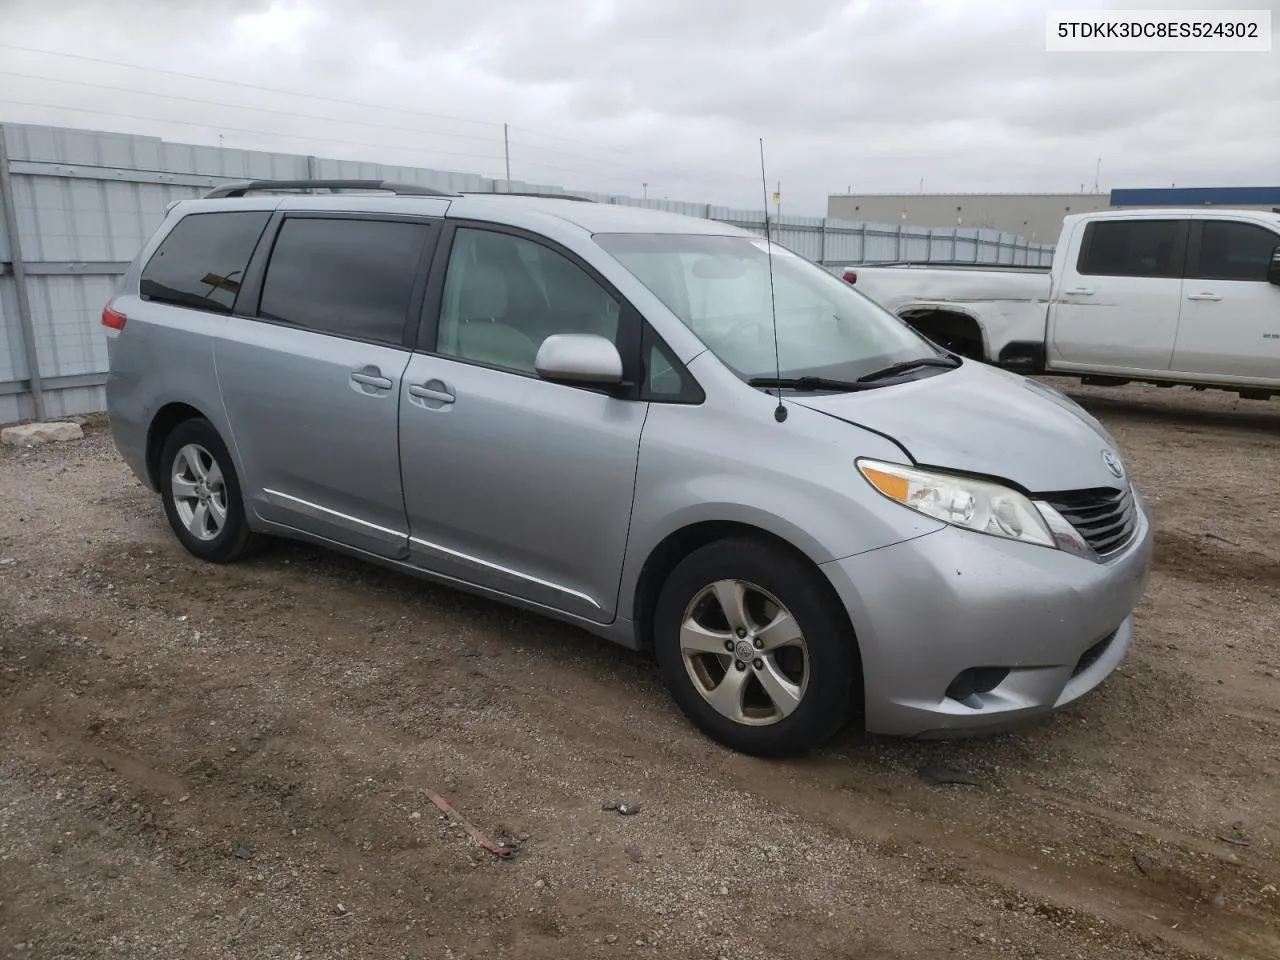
(202, 494)
(753, 650)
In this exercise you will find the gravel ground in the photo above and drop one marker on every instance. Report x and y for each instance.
(199, 761)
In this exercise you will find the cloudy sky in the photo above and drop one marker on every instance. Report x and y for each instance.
(609, 95)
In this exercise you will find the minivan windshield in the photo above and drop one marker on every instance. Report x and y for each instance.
(719, 287)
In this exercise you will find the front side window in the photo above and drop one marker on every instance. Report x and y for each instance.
(201, 263)
(1132, 248)
(504, 295)
(720, 288)
(345, 277)
(1230, 250)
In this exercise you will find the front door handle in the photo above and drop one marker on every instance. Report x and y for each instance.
(1203, 296)
(1079, 292)
(438, 393)
(370, 380)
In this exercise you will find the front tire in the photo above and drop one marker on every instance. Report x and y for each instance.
(753, 649)
(201, 494)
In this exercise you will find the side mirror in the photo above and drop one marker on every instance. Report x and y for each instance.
(579, 358)
(1273, 268)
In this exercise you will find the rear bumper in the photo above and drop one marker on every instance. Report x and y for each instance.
(928, 610)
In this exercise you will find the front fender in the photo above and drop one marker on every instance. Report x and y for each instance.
(796, 481)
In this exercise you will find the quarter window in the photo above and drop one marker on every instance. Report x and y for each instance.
(346, 277)
(665, 381)
(504, 295)
(1230, 250)
(201, 263)
(662, 379)
(1132, 248)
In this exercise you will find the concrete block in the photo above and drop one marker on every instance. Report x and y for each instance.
(37, 434)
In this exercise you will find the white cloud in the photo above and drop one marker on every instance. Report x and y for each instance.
(607, 94)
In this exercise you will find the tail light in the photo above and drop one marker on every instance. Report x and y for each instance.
(113, 319)
(850, 277)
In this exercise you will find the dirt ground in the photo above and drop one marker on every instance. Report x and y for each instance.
(206, 762)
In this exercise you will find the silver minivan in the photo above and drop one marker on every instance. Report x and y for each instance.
(665, 430)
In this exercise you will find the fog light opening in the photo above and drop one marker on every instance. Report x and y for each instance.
(976, 680)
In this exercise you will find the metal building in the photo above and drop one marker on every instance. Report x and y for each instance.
(1037, 217)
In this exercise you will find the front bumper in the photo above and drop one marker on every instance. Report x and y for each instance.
(931, 611)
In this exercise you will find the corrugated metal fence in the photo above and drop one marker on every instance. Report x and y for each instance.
(79, 205)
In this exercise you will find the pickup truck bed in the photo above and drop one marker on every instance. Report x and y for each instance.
(958, 306)
(1167, 296)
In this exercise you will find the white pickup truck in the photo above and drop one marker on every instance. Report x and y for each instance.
(1167, 296)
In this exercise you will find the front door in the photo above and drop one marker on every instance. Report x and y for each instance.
(1118, 298)
(513, 483)
(311, 382)
(1230, 324)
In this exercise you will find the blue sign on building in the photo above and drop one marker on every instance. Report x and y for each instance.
(1197, 197)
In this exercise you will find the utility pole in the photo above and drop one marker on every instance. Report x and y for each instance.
(506, 150)
(645, 187)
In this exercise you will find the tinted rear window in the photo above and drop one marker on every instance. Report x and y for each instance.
(350, 278)
(201, 262)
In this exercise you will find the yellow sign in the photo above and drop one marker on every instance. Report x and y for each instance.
(777, 198)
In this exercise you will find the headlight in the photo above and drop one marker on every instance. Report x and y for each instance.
(972, 504)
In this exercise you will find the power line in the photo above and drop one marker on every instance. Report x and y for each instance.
(682, 173)
(314, 116)
(239, 106)
(248, 86)
(637, 170)
(208, 125)
(703, 172)
(261, 133)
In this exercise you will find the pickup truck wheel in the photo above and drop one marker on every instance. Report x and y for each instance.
(753, 650)
(201, 494)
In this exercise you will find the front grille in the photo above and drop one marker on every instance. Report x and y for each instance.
(1105, 518)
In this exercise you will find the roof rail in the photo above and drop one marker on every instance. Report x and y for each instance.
(523, 193)
(258, 186)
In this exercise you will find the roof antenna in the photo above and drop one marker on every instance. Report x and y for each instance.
(779, 412)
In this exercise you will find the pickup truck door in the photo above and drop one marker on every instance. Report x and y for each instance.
(1117, 300)
(1230, 321)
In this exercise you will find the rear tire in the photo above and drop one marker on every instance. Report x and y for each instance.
(754, 650)
(201, 494)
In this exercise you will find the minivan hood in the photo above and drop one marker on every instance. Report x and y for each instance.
(978, 419)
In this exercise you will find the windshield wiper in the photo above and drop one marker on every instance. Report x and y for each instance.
(806, 383)
(908, 365)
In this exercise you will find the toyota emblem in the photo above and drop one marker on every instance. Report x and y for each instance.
(1113, 464)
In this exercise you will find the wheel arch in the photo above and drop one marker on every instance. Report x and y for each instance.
(680, 543)
(162, 424)
(948, 321)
